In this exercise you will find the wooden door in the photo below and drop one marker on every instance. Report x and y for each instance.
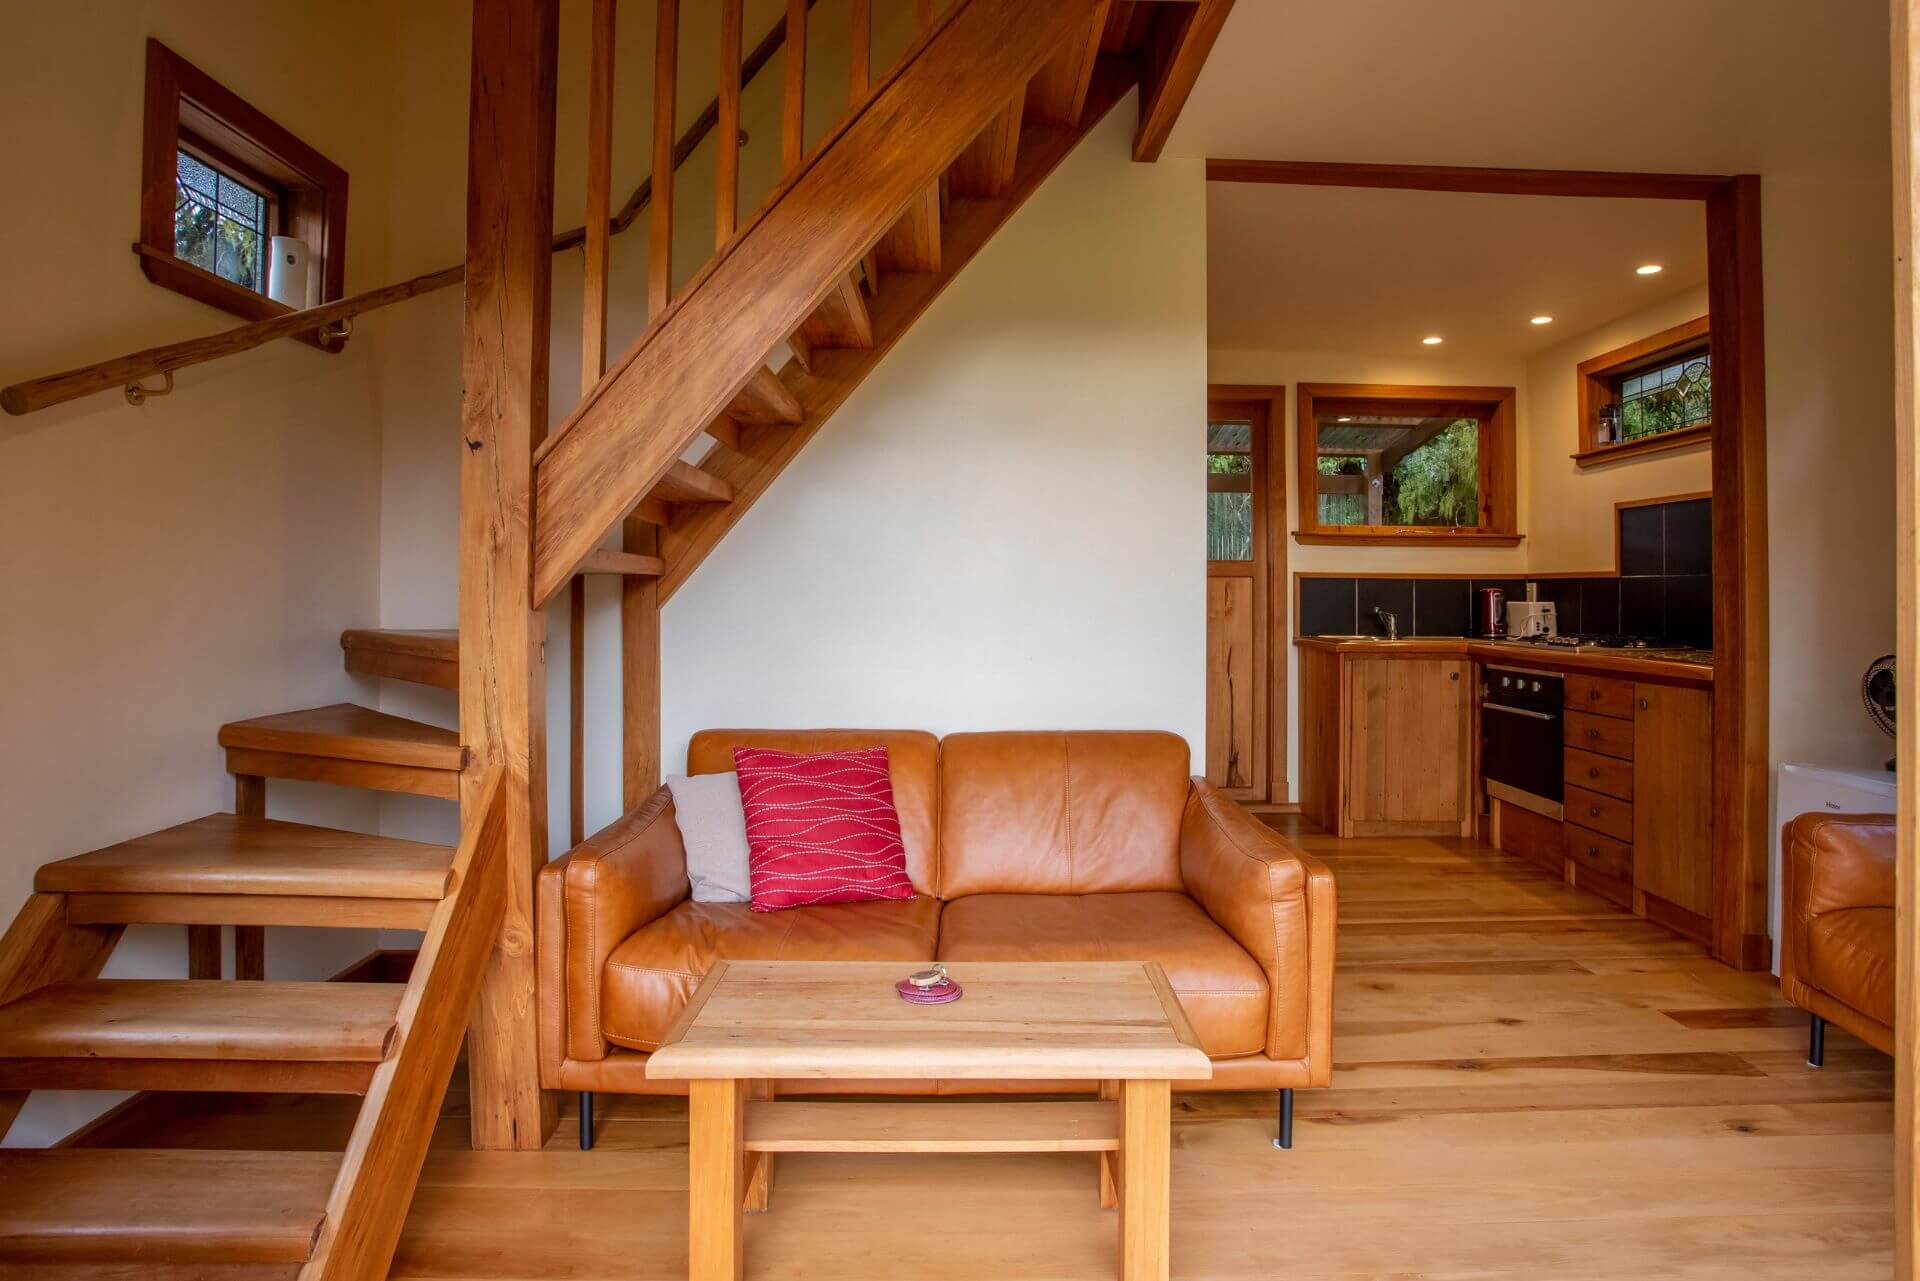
(1407, 754)
(1673, 796)
(1241, 710)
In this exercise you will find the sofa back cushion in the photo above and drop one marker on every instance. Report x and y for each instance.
(912, 758)
(1084, 812)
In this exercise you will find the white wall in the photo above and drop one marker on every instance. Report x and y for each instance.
(193, 561)
(1002, 527)
(1574, 522)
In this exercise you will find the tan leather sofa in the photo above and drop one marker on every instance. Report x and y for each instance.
(1022, 847)
(1836, 925)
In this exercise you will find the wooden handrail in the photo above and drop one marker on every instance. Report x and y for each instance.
(107, 375)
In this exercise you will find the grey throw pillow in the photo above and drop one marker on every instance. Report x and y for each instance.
(713, 827)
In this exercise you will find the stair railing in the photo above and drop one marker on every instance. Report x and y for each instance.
(329, 322)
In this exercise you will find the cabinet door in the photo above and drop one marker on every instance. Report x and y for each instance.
(1407, 757)
(1673, 795)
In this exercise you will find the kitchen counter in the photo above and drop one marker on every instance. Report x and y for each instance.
(1619, 662)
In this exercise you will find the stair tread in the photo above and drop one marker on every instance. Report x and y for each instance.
(765, 400)
(229, 854)
(685, 483)
(350, 732)
(436, 642)
(162, 1207)
(202, 1019)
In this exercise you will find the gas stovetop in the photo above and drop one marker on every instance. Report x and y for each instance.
(1586, 643)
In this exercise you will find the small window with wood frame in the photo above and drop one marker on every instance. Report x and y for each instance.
(219, 180)
(1384, 464)
(1647, 397)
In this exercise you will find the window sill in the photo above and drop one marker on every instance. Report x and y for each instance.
(1359, 537)
(1601, 455)
(201, 285)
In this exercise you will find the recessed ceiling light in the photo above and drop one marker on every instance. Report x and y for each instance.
(1345, 418)
(1541, 320)
(1432, 340)
(1649, 269)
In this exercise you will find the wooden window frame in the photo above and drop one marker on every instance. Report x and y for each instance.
(1599, 384)
(1493, 406)
(186, 109)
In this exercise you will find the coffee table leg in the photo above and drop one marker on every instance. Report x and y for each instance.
(1109, 1161)
(715, 1179)
(1145, 1179)
(759, 1173)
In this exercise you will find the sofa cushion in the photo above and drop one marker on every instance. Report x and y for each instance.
(912, 761)
(650, 977)
(1850, 957)
(1219, 985)
(821, 828)
(1061, 813)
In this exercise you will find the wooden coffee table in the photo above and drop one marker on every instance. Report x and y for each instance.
(751, 1022)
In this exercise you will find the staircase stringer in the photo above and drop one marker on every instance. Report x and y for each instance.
(689, 365)
(764, 452)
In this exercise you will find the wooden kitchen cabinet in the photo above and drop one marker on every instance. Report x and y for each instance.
(1673, 803)
(1407, 754)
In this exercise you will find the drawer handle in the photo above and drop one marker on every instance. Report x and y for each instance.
(1643, 704)
(1592, 772)
(1593, 694)
(1593, 811)
(1593, 851)
(1593, 733)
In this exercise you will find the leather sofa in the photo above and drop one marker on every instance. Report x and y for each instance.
(1836, 925)
(1021, 847)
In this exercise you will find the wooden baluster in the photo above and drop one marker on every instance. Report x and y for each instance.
(793, 122)
(726, 179)
(593, 305)
(862, 61)
(666, 64)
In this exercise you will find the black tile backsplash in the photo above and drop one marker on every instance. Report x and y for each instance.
(1664, 591)
(1442, 607)
(1395, 595)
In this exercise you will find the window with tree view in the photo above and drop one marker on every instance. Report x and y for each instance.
(1229, 491)
(1399, 469)
(221, 224)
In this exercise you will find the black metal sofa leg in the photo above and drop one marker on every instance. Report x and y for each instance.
(1285, 1139)
(1817, 1043)
(586, 1121)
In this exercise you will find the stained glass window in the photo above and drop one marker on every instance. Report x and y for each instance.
(220, 224)
(1666, 398)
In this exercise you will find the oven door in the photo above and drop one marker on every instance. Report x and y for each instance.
(1520, 757)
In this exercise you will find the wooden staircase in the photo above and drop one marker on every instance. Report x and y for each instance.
(799, 304)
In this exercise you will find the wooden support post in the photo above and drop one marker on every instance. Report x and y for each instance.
(504, 369)
(1145, 1179)
(639, 672)
(249, 941)
(666, 66)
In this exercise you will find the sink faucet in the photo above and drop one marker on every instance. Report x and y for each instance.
(1389, 620)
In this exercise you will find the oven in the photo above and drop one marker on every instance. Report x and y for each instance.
(1520, 743)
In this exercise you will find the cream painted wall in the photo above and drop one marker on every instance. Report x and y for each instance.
(192, 561)
(1002, 527)
(1573, 526)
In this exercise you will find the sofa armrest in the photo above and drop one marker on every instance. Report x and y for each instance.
(1278, 903)
(1832, 862)
(629, 873)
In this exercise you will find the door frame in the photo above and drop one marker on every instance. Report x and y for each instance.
(1743, 837)
(1272, 601)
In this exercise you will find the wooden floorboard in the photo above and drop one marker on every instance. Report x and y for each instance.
(1529, 1085)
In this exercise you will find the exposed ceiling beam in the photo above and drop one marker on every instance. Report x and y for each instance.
(1181, 39)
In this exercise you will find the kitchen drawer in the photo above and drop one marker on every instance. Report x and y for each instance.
(1605, 814)
(1602, 734)
(1599, 695)
(1598, 773)
(1598, 852)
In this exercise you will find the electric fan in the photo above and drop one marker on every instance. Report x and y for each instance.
(1876, 691)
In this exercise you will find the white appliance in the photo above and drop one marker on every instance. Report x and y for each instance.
(1531, 618)
(1829, 789)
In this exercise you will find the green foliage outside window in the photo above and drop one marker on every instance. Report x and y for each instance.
(1439, 483)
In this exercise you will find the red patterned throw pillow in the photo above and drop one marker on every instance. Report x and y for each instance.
(821, 828)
